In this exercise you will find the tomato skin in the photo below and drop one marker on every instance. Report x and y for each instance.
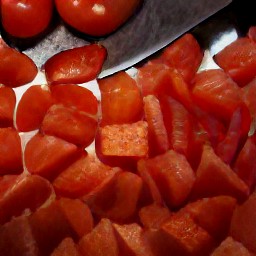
(16, 68)
(252, 33)
(96, 18)
(7, 105)
(25, 19)
(77, 65)
(121, 101)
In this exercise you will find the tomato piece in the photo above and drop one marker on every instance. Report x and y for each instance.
(96, 18)
(230, 247)
(10, 152)
(32, 108)
(173, 176)
(66, 248)
(25, 192)
(47, 155)
(117, 201)
(153, 216)
(77, 65)
(70, 125)
(121, 101)
(74, 96)
(216, 93)
(16, 68)
(82, 177)
(243, 222)
(245, 166)
(242, 68)
(16, 238)
(7, 105)
(158, 138)
(131, 241)
(178, 124)
(6, 182)
(122, 144)
(212, 214)
(252, 33)
(214, 178)
(101, 241)
(185, 55)
(17, 16)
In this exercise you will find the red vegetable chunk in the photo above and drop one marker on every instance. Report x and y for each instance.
(239, 60)
(33, 107)
(16, 68)
(24, 192)
(47, 155)
(10, 152)
(121, 101)
(252, 33)
(66, 248)
(7, 105)
(78, 65)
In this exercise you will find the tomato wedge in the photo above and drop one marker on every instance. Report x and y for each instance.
(77, 65)
(66, 247)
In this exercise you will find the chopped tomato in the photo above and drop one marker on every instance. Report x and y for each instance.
(10, 152)
(239, 60)
(101, 241)
(47, 155)
(185, 55)
(7, 105)
(74, 96)
(158, 139)
(25, 192)
(173, 176)
(216, 93)
(214, 178)
(6, 182)
(252, 33)
(67, 247)
(77, 65)
(32, 108)
(16, 68)
(121, 101)
(82, 177)
(70, 125)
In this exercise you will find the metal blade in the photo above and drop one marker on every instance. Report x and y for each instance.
(158, 23)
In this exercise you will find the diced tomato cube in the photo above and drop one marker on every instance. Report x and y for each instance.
(101, 241)
(131, 240)
(153, 216)
(6, 182)
(23, 193)
(185, 55)
(158, 139)
(173, 176)
(214, 178)
(70, 125)
(239, 60)
(243, 223)
(252, 33)
(46, 155)
(216, 93)
(121, 100)
(117, 201)
(245, 165)
(32, 108)
(82, 177)
(66, 248)
(123, 144)
(77, 65)
(212, 214)
(16, 238)
(74, 96)
(7, 105)
(230, 247)
(10, 152)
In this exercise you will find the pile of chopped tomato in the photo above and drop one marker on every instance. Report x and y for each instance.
(173, 171)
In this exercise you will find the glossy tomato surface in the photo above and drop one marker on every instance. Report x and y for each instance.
(96, 18)
(26, 18)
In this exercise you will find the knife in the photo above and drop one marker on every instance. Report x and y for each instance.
(158, 23)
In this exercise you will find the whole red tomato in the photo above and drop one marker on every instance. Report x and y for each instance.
(96, 18)
(26, 18)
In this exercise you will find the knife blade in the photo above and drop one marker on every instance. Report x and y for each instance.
(157, 24)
